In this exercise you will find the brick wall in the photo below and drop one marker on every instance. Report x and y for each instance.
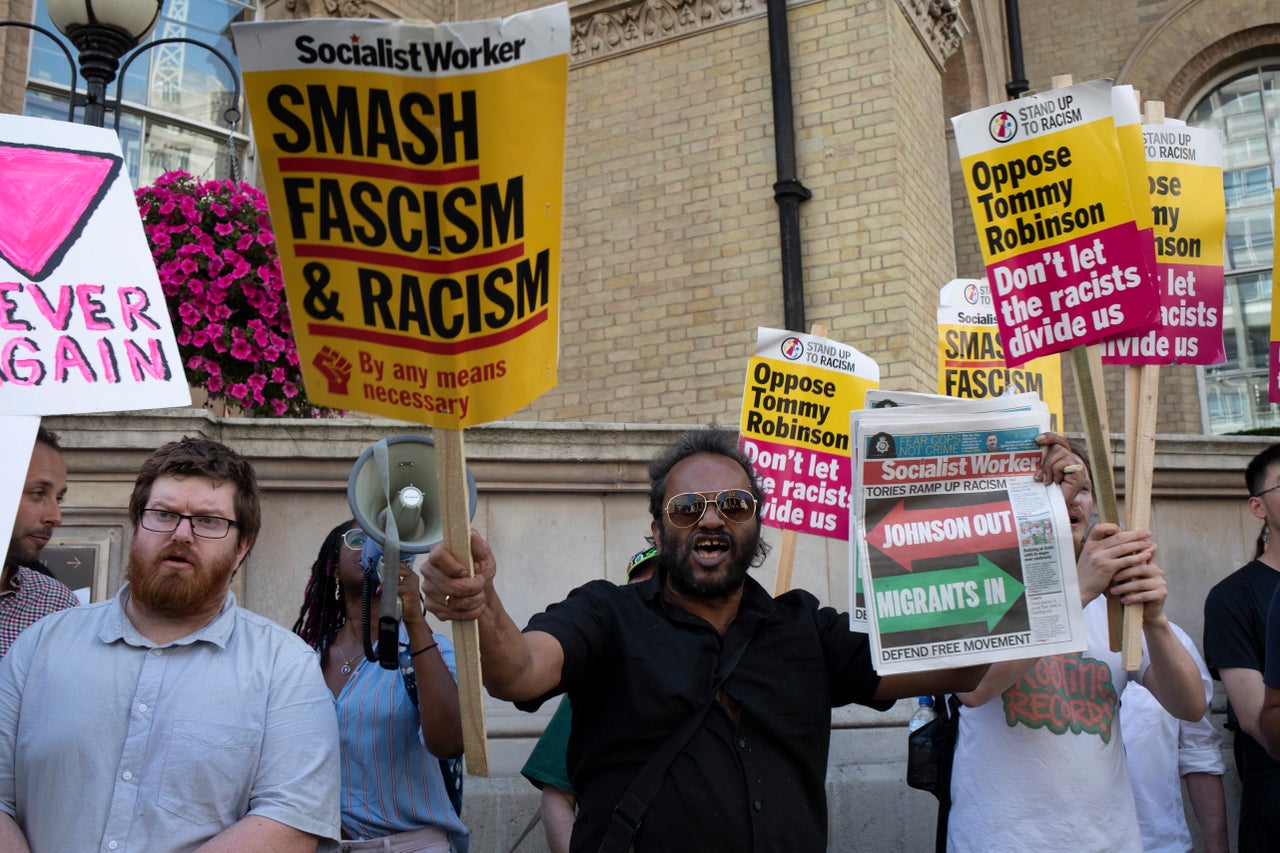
(671, 246)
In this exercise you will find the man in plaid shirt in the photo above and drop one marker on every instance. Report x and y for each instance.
(27, 592)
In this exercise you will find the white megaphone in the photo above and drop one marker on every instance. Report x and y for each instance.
(394, 498)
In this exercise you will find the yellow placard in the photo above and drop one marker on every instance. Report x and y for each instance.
(1043, 191)
(971, 362)
(415, 177)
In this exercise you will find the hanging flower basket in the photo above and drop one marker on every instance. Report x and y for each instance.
(216, 256)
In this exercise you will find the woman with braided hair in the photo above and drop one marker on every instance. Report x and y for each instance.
(394, 723)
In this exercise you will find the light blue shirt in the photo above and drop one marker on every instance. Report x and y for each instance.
(109, 742)
(390, 781)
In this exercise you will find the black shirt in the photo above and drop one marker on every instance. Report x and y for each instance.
(1235, 637)
(753, 777)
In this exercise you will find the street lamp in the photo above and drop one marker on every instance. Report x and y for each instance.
(102, 32)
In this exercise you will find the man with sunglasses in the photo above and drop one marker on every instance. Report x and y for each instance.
(180, 719)
(701, 704)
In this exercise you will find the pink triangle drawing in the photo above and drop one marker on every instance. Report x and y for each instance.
(47, 197)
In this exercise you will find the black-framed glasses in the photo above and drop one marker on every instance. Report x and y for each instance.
(736, 505)
(1264, 491)
(354, 539)
(204, 526)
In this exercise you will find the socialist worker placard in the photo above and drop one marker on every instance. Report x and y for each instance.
(415, 178)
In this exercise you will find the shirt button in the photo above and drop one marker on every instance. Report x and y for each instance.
(112, 845)
(142, 707)
(157, 652)
(126, 775)
(742, 743)
(757, 805)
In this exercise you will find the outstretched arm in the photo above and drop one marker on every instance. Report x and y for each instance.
(517, 665)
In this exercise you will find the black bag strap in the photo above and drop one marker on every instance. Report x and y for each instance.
(631, 808)
(944, 776)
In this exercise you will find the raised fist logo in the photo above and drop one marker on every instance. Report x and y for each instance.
(334, 368)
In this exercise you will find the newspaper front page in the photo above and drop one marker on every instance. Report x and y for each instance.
(965, 558)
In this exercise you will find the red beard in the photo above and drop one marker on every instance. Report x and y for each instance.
(178, 594)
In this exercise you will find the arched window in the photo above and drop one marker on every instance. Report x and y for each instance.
(175, 95)
(1245, 107)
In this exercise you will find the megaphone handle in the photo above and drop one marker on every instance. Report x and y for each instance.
(366, 597)
(388, 643)
(389, 633)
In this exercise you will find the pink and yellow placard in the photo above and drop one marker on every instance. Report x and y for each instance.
(1188, 209)
(795, 427)
(1273, 396)
(1055, 223)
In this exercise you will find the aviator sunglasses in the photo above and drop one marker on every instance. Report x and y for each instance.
(736, 505)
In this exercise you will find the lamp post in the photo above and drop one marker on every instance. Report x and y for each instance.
(102, 32)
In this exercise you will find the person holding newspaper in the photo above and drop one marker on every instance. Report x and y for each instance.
(1046, 730)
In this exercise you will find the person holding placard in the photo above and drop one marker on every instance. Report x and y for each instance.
(1045, 730)
(1235, 635)
(701, 704)
(179, 719)
(27, 591)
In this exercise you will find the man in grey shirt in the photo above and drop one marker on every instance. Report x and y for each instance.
(179, 720)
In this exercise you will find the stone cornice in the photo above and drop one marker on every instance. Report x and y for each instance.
(938, 24)
(603, 29)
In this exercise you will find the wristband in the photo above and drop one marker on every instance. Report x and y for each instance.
(413, 654)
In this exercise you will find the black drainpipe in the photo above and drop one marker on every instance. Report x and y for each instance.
(1017, 84)
(788, 191)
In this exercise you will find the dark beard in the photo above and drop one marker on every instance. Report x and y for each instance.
(674, 561)
(177, 595)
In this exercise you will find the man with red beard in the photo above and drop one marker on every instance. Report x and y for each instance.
(181, 720)
(27, 591)
(699, 661)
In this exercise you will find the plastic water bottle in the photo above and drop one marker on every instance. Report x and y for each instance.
(924, 714)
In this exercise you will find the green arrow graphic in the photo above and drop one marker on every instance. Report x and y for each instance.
(980, 593)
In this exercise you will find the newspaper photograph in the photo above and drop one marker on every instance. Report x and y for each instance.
(965, 558)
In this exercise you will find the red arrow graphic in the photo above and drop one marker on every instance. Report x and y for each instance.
(905, 535)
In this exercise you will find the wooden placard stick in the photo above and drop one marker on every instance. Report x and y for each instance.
(1142, 391)
(455, 516)
(787, 544)
(1086, 363)
(1140, 457)
(1091, 397)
